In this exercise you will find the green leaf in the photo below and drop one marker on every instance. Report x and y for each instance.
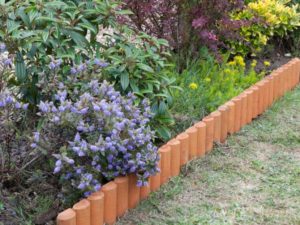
(169, 100)
(147, 91)
(162, 107)
(133, 86)
(154, 108)
(163, 42)
(79, 39)
(165, 118)
(20, 68)
(87, 25)
(12, 26)
(176, 87)
(32, 52)
(56, 4)
(24, 17)
(161, 95)
(145, 67)
(33, 15)
(164, 133)
(26, 34)
(2, 34)
(66, 56)
(48, 19)
(124, 80)
(45, 35)
(124, 12)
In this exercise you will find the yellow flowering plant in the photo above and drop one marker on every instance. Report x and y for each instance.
(270, 18)
(193, 86)
(267, 63)
(254, 63)
(207, 84)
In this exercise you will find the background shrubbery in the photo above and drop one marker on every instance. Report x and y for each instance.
(187, 25)
(242, 27)
(273, 19)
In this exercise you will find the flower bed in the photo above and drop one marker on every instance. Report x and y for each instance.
(117, 196)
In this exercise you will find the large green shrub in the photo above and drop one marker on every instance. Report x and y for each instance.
(65, 34)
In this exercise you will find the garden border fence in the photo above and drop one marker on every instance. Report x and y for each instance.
(117, 196)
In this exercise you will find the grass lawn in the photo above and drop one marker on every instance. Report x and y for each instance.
(253, 179)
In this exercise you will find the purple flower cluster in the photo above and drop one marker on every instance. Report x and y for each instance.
(7, 100)
(5, 59)
(94, 64)
(110, 135)
(2, 47)
(55, 64)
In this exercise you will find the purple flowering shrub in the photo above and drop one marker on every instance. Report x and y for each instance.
(79, 74)
(140, 81)
(12, 114)
(138, 62)
(100, 135)
(8, 101)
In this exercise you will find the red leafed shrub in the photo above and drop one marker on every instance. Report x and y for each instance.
(188, 24)
(156, 17)
(211, 20)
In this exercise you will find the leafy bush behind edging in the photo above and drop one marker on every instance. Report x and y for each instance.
(39, 32)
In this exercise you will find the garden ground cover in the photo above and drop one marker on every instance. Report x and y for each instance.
(253, 179)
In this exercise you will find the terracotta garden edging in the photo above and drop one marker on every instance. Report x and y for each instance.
(117, 196)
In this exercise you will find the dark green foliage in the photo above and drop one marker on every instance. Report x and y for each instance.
(40, 32)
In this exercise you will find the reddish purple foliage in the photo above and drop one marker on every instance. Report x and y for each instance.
(188, 24)
(156, 17)
(213, 24)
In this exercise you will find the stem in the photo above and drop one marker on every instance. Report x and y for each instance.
(7, 141)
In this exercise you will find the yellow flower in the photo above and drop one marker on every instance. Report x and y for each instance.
(231, 63)
(254, 63)
(227, 71)
(239, 60)
(267, 63)
(193, 86)
(207, 79)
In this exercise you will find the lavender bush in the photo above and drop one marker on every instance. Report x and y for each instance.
(100, 134)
